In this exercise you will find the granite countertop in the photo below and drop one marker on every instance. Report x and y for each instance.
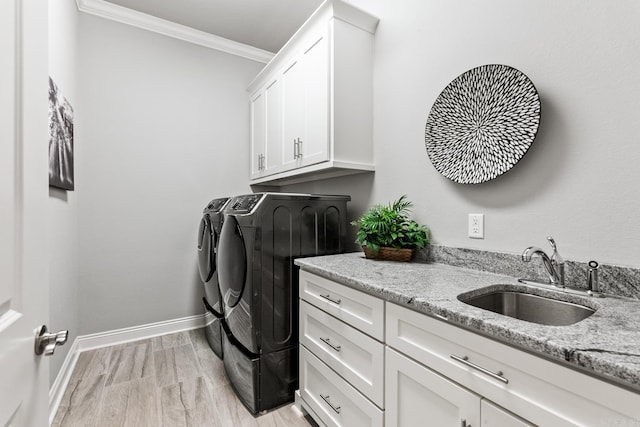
(606, 344)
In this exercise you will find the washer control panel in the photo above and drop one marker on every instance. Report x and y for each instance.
(216, 205)
(246, 203)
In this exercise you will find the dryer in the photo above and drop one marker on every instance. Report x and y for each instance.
(208, 237)
(261, 236)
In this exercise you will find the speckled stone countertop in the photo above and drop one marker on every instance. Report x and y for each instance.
(606, 345)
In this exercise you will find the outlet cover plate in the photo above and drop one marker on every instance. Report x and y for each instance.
(476, 226)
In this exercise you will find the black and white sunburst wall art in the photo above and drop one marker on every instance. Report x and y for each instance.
(482, 123)
(60, 140)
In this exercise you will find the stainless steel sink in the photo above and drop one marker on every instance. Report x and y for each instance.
(532, 308)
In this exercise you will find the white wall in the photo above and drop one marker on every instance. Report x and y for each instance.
(62, 209)
(162, 128)
(580, 180)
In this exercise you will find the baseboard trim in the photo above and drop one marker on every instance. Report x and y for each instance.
(134, 333)
(208, 318)
(118, 336)
(62, 379)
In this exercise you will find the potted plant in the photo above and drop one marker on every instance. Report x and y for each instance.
(387, 232)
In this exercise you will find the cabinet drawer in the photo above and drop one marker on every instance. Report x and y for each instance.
(362, 311)
(538, 390)
(331, 398)
(355, 356)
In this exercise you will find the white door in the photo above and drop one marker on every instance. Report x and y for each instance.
(24, 299)
(419, 397)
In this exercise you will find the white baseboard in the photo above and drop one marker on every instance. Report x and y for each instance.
(208, 318)
(62, 379)
(117, 336)
(135, 333)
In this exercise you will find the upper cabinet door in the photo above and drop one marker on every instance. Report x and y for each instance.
(273, 134)
(314, 146)
(257, 134)
(293, 114)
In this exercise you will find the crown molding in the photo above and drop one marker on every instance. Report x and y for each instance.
(147, 22)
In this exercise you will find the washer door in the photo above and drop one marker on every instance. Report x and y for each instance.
(232, 262)
(206, 254)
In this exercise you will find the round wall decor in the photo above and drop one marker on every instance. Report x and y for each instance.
(482, 123)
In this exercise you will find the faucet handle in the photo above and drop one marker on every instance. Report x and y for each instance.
(557, 261)
(555, 256)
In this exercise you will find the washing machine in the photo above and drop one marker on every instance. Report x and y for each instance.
(208, 233)
(262, 234)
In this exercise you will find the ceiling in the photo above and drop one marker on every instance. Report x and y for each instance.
(265, 24)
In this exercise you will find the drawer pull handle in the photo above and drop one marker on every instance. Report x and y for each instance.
(326, 399)
(465, 360)
(328, 342)
(328, 298)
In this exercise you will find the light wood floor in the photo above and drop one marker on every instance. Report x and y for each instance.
(172, 380)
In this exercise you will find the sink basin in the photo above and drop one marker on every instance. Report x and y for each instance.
(532, 308)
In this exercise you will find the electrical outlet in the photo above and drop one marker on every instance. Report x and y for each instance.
(476, 226)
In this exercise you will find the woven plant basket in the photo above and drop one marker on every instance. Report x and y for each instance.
(389, 254)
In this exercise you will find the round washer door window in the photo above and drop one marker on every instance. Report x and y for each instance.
(232, 262)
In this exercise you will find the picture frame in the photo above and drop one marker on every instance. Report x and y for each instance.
(61, 166)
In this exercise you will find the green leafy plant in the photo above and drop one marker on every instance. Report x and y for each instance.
(390, 226)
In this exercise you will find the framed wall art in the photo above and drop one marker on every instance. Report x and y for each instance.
(482, 123)
(60, 140)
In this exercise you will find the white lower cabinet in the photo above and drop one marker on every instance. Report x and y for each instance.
(542, 392)
(341, 354)
(333, 399)
(491, 415)
(357, 358)
(367, 362)
(418, 397)
(363, 312)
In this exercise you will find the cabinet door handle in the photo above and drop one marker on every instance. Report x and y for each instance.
(495, 375)
(295, 148)
(326, 399)
(328, 298)
(463, 423)
(299, 148)
(327, 341)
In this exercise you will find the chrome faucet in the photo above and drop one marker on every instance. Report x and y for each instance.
(554, 265)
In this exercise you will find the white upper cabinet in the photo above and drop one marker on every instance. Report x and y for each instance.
(257, 133)
(293, 114)
(266, 130)
(318, 119)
